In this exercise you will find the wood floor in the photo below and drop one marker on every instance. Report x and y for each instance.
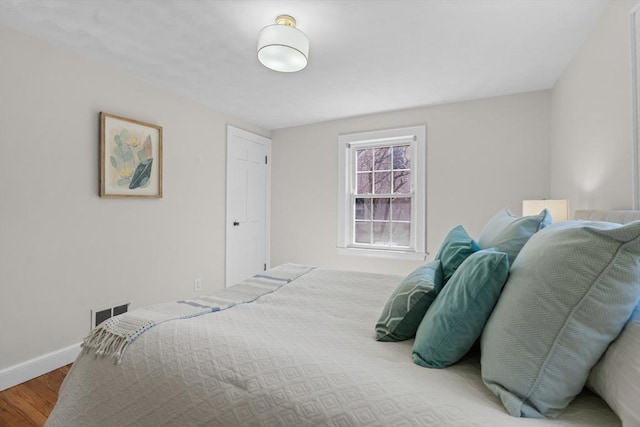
(30, 403)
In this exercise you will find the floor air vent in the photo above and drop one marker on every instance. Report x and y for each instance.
(100, 315)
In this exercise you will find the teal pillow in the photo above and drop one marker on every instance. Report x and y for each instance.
(408, 303)
(455, 248)
(509, 232)
(455, 320)
(569, 294)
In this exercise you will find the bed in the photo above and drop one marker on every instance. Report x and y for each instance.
(305, 354)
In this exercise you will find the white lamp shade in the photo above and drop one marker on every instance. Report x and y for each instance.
(558, 209)
(283, 48)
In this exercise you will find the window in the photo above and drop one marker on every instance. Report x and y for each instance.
(381, 205)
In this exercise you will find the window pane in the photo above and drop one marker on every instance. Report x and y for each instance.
(363, 182)
(381, 233)
(377, 186)
(402, 157)
(382, 182)
(383, 158)
(363, 232)
(364, 159)
(402, 182)
(400, 234)
(401, 209)
(381, 209)
(363, 208)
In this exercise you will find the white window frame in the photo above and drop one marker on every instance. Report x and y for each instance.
(416, 137)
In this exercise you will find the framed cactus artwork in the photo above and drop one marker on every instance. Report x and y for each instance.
(130, 158)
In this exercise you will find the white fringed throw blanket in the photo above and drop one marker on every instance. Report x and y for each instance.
(112, 337)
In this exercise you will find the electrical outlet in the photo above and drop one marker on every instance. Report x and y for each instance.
(197, 285)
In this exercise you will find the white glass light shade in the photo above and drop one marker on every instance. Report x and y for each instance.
(283, 48)
(557, 208)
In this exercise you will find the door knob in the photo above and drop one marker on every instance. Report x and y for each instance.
(236, 223)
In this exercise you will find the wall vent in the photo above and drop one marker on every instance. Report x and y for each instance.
(99, 315)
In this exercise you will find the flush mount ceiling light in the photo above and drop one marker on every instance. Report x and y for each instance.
(282, 47)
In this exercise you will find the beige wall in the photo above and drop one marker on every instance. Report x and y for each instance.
(481, 156)
(64, 250)
(591, 151)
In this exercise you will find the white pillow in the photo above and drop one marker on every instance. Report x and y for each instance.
(616, 376)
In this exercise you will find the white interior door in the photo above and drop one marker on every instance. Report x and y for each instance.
(248, 195)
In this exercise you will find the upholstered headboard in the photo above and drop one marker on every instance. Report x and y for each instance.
(621, 217)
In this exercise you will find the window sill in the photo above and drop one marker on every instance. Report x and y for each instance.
(381, 253)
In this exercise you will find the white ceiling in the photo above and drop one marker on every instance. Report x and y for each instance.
(365, 56)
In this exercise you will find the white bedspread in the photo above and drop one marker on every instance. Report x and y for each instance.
(302, 356)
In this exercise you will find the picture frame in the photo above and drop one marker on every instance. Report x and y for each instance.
(130, 157)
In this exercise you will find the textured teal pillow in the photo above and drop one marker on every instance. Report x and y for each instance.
(455, 248)
(509, 232)
(569, 294)
(455, 320)
(408, 303)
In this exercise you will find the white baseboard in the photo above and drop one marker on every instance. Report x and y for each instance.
(17, 374)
